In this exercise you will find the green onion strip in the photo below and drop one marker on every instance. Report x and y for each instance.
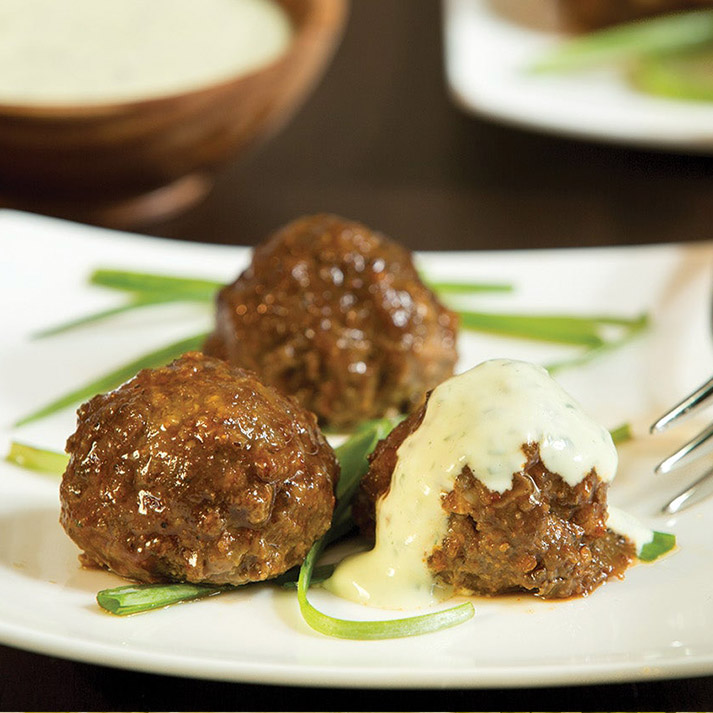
(145, 282)
(662, 543)
(39, 460)
(684, 76)
(373, 630)
(353, 457)
(117, 377)
(136, 302)
(630, 41)
(134, 599)
(636, 327)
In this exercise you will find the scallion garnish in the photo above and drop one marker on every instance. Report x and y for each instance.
(684, 75)
(373, 630)
(147, 289)
(199, 289)
(289, 579)
(564, 329)
(151, 283)
(467, 288)
(117, 377)
(136, 302)
(39, 460)
(630, 41)
(353, 455)
(635, 327)
(133, 599)
(621, 434)
(661, 543)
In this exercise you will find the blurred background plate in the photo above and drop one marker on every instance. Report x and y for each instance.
(489, 44)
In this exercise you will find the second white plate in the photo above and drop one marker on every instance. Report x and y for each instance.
(489, 47)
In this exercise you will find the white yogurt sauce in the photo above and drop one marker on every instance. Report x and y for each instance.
(93, 51)
(628, 526)
(480, 419)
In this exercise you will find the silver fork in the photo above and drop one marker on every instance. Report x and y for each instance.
(697, 447)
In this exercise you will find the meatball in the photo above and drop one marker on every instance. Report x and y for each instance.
(196, 472)
(336, 316)
(541, 536)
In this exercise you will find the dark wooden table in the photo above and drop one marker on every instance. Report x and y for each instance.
(380, 141)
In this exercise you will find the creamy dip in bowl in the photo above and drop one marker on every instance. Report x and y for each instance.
(118, 111)
(96, 51)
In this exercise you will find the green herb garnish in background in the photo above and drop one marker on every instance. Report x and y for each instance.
(136, 302)
(145, 289)
(669, 56)
(466, 288)
(148, 283)
(633, 329)
(683, 75)
(39, 460)
(629, 42)
(115, 378)
(557, 329)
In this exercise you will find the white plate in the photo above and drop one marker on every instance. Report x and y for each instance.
(656, 623)
(491, 43)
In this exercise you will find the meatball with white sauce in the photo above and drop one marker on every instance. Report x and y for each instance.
(497, 485)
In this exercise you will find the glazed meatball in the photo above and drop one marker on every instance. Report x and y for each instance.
(336, 316)
(196, 472)
(541, 536)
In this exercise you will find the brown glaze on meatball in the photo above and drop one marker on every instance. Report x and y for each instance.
(337, 316)
(541, 536)
(197, 472)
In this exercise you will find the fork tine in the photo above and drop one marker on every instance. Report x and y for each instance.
(691, 403)
(690, 496)
(698, 446)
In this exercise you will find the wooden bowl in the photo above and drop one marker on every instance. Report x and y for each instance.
(133, 162)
